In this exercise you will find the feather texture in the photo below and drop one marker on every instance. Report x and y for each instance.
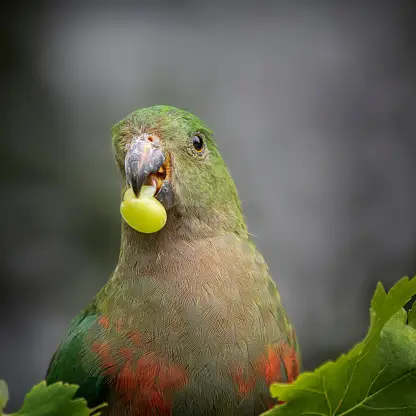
(190, 323)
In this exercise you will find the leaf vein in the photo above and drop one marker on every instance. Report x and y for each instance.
(361, 403)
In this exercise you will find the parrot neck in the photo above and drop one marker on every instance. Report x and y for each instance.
(139, 251)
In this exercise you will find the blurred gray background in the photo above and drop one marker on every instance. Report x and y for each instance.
(313, 105)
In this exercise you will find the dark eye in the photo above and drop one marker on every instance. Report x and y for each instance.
(198, 143)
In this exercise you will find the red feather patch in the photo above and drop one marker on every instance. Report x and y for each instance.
(146, 383)
(245, 384)
(269, 367)
(134, 338)
(104, 321)
(149, 383)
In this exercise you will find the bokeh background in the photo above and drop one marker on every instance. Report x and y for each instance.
(313, 105)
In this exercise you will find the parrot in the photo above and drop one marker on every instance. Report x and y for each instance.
(190, 321)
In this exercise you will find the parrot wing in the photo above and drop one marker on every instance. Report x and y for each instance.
(67, 365)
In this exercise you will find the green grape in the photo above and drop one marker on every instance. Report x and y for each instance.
(145, 213)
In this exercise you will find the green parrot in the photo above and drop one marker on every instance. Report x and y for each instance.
(190, 322)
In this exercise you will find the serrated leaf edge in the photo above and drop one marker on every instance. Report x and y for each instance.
(362, 348)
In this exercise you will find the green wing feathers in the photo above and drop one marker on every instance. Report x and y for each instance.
(67, 364)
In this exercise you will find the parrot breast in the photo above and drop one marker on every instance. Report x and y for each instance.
(192, 334)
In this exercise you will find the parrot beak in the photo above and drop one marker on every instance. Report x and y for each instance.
(146, 163)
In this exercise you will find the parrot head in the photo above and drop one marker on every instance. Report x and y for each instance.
(174, 151)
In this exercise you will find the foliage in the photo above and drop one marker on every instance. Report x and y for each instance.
(53, 400)
(378, 375)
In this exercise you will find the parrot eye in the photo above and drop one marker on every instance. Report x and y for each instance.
(198, 143)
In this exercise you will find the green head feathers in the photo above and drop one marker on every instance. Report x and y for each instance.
(174, 150)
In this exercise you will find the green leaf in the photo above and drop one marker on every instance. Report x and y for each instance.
(53, 400)
(4, 395)
(378, 375)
